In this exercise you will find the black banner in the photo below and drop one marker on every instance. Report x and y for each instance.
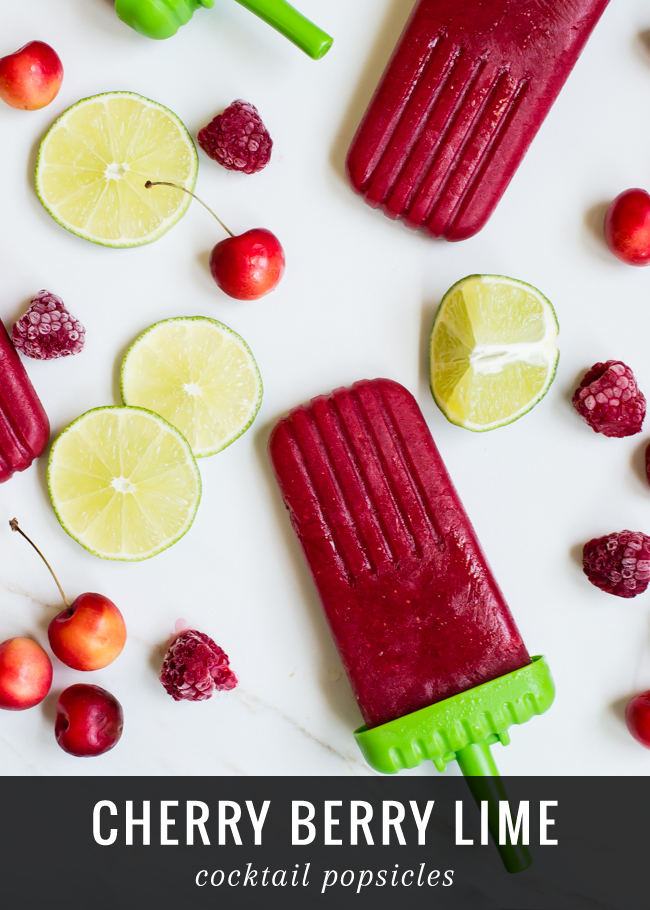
(320, 842)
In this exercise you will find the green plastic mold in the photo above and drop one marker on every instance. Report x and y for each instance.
(480, 715)
(463, 728)
(161, 19)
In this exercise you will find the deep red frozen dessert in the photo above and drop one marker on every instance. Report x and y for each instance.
(24, 427)
(414, 609)
(468, 86)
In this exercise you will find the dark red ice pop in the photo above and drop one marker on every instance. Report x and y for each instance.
(24, 427)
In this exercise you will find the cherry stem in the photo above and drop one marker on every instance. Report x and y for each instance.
(151, 183)
(13, 524)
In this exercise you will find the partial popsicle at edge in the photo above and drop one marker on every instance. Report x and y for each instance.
(466, 90)
(24, 427)
(414, 609)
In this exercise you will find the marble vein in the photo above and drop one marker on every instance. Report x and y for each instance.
(256, 700)
(14, 589)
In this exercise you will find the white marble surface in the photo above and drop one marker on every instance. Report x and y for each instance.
(357, 301)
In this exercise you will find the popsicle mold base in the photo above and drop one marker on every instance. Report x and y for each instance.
(160, 19)
(449, 729)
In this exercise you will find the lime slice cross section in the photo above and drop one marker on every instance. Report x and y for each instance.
(123, 482)
(199, 375)
(95, 160)
(493, 351)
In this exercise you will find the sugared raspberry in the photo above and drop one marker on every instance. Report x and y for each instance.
(618, 563)
(609, 399)
(237, 139)
(47, 330)
(194, 667)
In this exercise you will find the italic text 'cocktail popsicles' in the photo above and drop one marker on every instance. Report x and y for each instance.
(24, 427)
(430, 647)
(463, 96)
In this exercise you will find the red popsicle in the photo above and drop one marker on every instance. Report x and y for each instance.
(468, 86)
(412, 604)
(24, 427)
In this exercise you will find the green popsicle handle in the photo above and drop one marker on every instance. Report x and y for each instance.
(160, 19)
(281, 16)
(462, 728)
(482, 776)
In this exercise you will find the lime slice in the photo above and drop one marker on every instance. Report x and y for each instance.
(493, 351)
(123, 482)
(95, 160)
(199, 375)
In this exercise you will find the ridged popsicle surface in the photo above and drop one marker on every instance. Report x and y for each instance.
(468, 86)
(24, 427)
(412, 604)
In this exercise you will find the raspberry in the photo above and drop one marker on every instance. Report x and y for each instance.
(610, 401)
(237, 139)
(47, 331)
(194, 667)
(618, 563)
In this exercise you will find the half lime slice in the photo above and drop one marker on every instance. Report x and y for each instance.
(123, 482)
(199, 375)
(493, 353)
(95, 160)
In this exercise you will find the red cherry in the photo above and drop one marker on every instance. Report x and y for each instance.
(637, 718)
(249, 265)
(245, 266)
(31, 77)
(627, 227)
(89, 720)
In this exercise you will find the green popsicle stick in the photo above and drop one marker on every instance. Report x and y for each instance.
(462, 728)
(479, 768)
(161, 19)
(293, 25)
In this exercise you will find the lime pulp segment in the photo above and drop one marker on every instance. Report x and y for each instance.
(493, 353)
(95, 160)
(123, 483)
(199, 375)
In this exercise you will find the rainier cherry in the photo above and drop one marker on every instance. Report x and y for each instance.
(25, 674)
(90, 633)
(31, 77)
(245, 266)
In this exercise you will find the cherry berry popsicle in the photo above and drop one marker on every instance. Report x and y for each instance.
(430, 647)
(24, 427)
(468, 86)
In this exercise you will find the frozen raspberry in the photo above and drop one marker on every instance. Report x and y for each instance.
(237, 139)
(610, 401)
(194, 667)
(47, 330)
(618, 563)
